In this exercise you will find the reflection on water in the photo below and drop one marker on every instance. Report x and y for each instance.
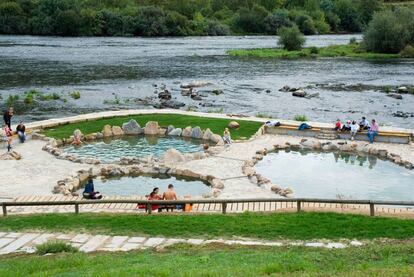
(333, 175)
(111, 150)
(143, 185)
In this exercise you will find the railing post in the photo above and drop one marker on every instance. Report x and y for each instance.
(76, 208)
(4, 209)
(299, 206)
(149, 208)
(371, 209)
(224, 208)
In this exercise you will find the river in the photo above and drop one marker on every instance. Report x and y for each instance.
(116, 73)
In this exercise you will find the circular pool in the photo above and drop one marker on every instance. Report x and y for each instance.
(112, 149)
(335, 175)
(143, 185)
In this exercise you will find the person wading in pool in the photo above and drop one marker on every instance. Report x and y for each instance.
(170, 195)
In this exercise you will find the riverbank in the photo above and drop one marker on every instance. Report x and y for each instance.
(332, 51)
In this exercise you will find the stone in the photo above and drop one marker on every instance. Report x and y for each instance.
(165, 95)
(217, 139)
(382, 153)
(107, 131)
(170, 128)
(187, 132)
(162, 131)
(395, 96)
(299, 93)
(151, 128)
(94, 243)
(12, 155)
(310, 144)
(217, 91)
(285, 88)
(132, 128)
(173, 156)
(194, 84)
(186, 91)
(90, 136)
(402, 89)
(217, 184)
(99, 135)
(117, 131)
(408, 165)
(275, 188)
(234, 125)
(175, 132)
(20, 242)
(197, 133)
(207, 134)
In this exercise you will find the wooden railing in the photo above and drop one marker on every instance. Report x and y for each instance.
(223, 202)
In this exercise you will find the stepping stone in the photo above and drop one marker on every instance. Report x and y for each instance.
(80, 238)
(93, 243)
(28, 249)
(137, 240)
(13, 235)
(130, 246)
(173, 241)
(336, 245)
(2, 234)
(153, 242)
(5, 241)
(64, 237)
(356, 243)
(42, 239)
(15, 245)
(116, 242)
(314, 244)
(273, 244)
(195, 241)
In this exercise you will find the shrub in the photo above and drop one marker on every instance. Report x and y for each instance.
(48, 97)
(407, 52)
(11, 100)
(353, 40)
(314, 50)
(75, 94)
(55, 247)
(301, 118)
(290, 38)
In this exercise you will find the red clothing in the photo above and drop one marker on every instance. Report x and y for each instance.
(8, 132)
(155, 197)
(338, 125)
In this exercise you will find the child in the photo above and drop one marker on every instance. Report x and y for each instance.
(227, 136)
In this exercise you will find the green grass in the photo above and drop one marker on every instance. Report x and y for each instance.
(301, 118)
(269, 226)
(55, 247)
(246, 130)
(349, 50)
(218, 260)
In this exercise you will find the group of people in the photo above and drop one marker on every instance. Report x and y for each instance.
(354, 127)
(7, 132)
(168, 195)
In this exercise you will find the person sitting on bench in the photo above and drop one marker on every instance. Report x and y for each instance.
(170, 195)
(89, 191)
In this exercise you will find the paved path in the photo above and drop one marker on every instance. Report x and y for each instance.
(26, 242)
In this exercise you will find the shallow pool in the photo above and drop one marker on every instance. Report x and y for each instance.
(143, 185)
(110, 150)
(333, 175)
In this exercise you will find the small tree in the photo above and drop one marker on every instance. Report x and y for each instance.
(290, 38)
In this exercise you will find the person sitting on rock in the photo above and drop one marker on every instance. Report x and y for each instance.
(7, 136)
(21, 132)
(354, 129)
(347, 126)
(372, 131)
(77, 135)
(364, 124)
(338, 125)
(227, 136)
(89, 191)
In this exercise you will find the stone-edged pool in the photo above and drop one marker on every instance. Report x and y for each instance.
(143, 185)
(112, 149)
(338, 175)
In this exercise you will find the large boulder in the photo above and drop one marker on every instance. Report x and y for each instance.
(107, 131)
(170, 128)
(310, 144)
(117, 131)
(299, 93)
(197, 133)
(207, 134)
(132, 128)
(176, 132)
(151, 128)
(234, 125)
(218, 140)
(187, 132)
(173, 156)
(164, 95)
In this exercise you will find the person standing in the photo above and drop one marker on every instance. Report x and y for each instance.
(7, 136)
(8, 116)
(373, 131)
(21, 132)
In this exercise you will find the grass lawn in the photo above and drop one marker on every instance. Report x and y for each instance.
(270, 226)
(218, 260)
(246, 130)
(349, 50)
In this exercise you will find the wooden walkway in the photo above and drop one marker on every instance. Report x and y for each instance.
(270, 206)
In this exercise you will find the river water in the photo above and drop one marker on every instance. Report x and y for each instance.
(116, 73)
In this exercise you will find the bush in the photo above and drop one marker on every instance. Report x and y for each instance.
(314, 50)
(407, 52)
(52, 247)
(75, 94)
(290, 38)
(353, 41)
(11, 100)
(301, 118)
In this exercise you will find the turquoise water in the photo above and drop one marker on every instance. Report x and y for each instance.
(143, 185)
(333, 175)
(111, 150)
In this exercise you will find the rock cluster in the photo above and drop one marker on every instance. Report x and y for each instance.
(298, 92)
(12, 155)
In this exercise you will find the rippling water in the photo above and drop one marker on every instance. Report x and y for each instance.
(112, 150)
(102, 68)
(329, 175)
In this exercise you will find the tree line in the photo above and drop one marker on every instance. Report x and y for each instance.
(182, 17)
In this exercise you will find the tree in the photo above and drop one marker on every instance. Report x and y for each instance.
(306, 24)
(290, 38)
(252, 21)
(348, 15)
(277, 20)
(151, 21)
(12, 19)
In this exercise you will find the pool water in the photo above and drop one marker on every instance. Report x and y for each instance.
(333, 175)
(110, 150)
(143, 185)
